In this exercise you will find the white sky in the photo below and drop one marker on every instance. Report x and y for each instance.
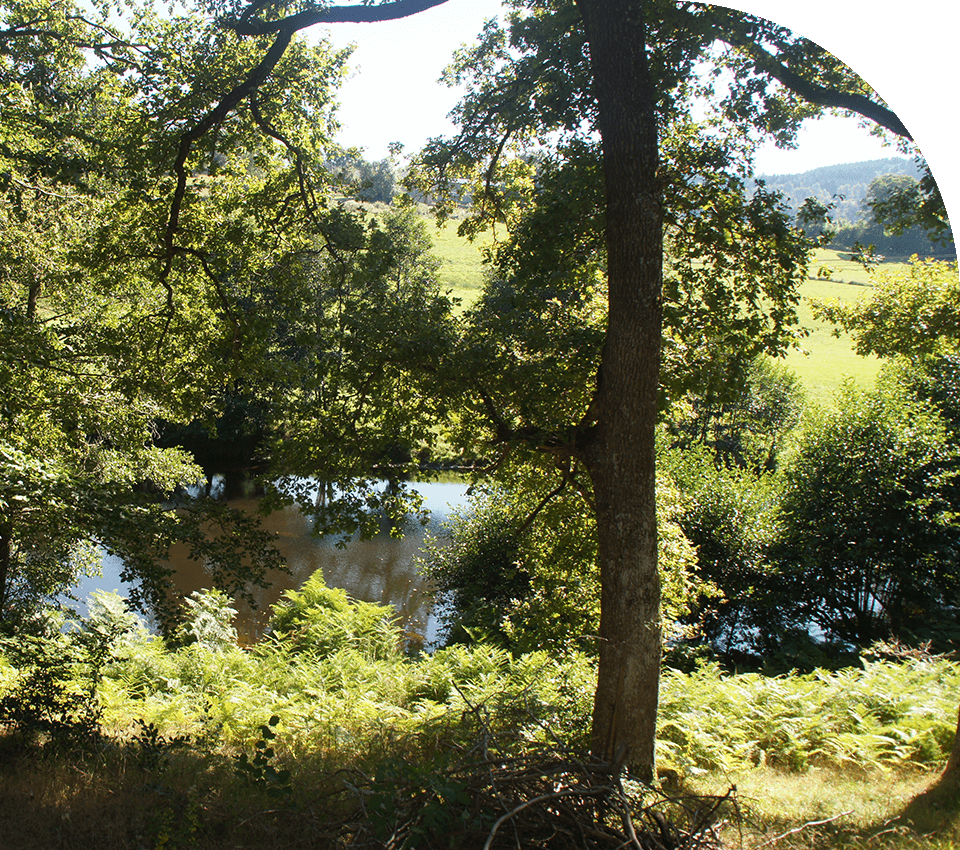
(394, 94)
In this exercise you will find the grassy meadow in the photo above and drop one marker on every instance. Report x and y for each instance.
(822, 363)
(462, 271)
(825, 359)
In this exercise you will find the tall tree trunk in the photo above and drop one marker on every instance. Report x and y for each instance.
(951, 773)
(6, 538)
(621, 455)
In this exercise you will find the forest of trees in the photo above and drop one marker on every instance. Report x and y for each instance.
(850, 190)
(845, 185)
(178, 270)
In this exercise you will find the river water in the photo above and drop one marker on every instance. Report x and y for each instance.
(382, 569)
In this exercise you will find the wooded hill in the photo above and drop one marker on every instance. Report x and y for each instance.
(845, 185)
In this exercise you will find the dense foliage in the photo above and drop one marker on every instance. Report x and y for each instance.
(517, 568)
(868, 235)
(869, 533)
(157, 283)
(913, 312)
(338, 696)
(112, 315)
(174, 247)
(809, 531)
(202, 744)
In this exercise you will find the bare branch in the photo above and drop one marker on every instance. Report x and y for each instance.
(350, 14)
(598, 791)
(815, 93)
(802, 827)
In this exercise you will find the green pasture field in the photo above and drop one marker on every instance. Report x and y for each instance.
(838, 266)
(822, 363)
(462, 271)
(825, 360)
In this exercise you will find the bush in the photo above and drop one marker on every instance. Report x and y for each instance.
(744, 427)
(870, 544)
(319, 620)
(53, 697)
(476, 571)
(520, 570)
(729, 516)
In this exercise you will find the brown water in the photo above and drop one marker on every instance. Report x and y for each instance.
(382, 569)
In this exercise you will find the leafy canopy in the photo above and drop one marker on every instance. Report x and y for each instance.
(125, 256)
(912, 312)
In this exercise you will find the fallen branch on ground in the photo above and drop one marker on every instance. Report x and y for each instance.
(538, 798)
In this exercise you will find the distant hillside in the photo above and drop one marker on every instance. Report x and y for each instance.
(850, 180)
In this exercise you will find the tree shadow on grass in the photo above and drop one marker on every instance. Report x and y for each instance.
(934, 811)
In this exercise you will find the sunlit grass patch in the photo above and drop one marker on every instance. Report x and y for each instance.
(822, 365)
(462, 269)
(839, 266)
(826, 360)
(825, 809)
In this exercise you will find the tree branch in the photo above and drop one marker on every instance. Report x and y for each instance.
(567, 473)
(814, 92)
(227, 104)
(306, 193)
(350, 14)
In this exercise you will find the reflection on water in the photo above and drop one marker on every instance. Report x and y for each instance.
(379, 570)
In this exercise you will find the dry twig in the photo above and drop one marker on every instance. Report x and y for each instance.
(547, 798)
(802, 827)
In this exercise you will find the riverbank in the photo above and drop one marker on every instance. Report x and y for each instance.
(330, 735)
(383, 569)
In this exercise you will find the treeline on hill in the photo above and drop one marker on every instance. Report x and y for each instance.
(899, 247)
(851, 191)
(845, 185)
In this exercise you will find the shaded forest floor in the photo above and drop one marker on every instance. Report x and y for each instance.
(120, 798)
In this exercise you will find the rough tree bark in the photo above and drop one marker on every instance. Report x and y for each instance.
(6, 540)
(951, 773)
(620, 454)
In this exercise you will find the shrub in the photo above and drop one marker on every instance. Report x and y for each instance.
(53, 697)
(870, 544)
(729, 516)
(320, 620)
(744, 425)
(519, 569)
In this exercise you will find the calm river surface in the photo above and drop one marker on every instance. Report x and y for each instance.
(379, 570)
